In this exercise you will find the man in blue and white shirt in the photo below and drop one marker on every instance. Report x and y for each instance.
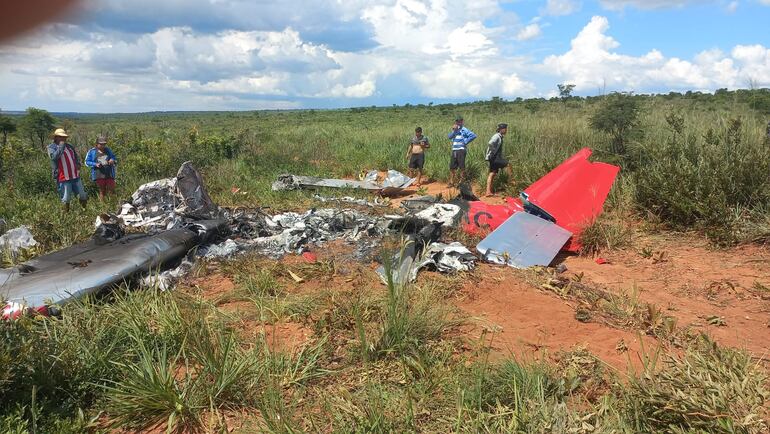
(460, 137)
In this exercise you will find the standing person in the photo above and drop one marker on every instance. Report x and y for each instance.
(102, 162)
(65, 168)
(416, 155)
(461, 137)
(495, 157)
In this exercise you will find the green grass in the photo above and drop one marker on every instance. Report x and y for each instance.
(145, 358)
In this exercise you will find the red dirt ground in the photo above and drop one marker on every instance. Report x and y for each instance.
(528, 322)
(694, 283)
(688, 281)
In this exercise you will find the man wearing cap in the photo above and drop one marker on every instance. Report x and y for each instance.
(460, 137)
(102, 162)
(65, 168)
(494, 157)
(416, 154)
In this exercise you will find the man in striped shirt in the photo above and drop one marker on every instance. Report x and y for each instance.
(460, 137)
(65, 168)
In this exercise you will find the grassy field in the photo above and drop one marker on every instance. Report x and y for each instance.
(381, 359)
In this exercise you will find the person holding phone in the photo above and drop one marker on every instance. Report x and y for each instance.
(65, 169)
(102, 162)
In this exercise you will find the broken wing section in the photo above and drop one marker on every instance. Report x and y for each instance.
(86, 268)
(573, 194)
(522, 241)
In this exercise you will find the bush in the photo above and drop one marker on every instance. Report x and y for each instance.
(707, 182)
(709, 389)
(618, 117)
(605, 233)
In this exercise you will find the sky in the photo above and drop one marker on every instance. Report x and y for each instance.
(164, 55)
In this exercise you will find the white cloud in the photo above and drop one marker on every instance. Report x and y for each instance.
(618, 5)
(733, 6)
(528, 32)
(593, 62)
(561, 7)
(432, 26)
(450, 80)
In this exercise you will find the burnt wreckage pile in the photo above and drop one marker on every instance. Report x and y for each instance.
(181, 222)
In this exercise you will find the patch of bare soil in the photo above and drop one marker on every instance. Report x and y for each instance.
(328, 268)
(517, 318)
(213, 286)
(724, 293)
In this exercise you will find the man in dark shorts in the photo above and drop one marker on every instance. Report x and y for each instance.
(495, 158)
(461, 137)
(416, 155)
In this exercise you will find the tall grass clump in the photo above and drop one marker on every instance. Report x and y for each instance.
(708, 389)
(511, 396)
(608, 232)
(149, 394)
(407, 322)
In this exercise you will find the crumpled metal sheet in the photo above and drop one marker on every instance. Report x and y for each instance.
(290, 232)
(397, 179)
(108, 229)
(378, 202)
(402, 264)
(394, 181)
(195, 200)
(371, 176)
(85, 268)
(296, 182)
(16, 240)
(523, 241)
(167, 203)
(416, 204)
(445, 213)
(165, 280)
(445, 258)
(224, 249)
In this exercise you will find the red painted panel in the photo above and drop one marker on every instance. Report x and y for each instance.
(573, 193)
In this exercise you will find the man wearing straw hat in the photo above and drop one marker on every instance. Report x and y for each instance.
(65, 168)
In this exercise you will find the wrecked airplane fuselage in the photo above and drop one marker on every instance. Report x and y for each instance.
(86, 268)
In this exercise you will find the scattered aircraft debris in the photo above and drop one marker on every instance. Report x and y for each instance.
(167, 203)
(180, 219)
(16, 240)
(394, 182)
